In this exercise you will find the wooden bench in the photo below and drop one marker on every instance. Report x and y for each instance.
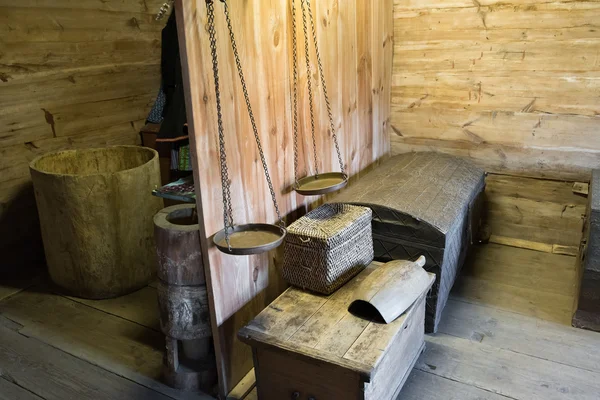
(308, 346)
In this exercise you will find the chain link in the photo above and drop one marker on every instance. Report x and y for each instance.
(295, 88)
(250, 113)
(225, 183)
(327, 103)
(309, 84)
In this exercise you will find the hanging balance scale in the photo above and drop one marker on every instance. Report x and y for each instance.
(250, 238)
(319, 183)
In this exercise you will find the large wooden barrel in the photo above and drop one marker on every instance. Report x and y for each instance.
(96, 212)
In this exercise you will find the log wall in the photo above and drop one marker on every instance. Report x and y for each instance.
(72, 74)
(355, 40)
(514, 85)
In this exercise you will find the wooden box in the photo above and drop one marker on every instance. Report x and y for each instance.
(308, 346)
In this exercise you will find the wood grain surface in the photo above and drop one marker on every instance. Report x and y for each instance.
(111, 334)
(355, 44)
(72, 75)
(514, 85)
(52, 374)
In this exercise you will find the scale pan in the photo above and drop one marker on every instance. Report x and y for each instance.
(325, 183)
(250, 239)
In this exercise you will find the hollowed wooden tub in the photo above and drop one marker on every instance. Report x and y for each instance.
(96, 211)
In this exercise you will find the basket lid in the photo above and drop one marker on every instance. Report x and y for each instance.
(329, 225)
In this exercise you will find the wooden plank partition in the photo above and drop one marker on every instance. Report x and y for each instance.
(355, 40)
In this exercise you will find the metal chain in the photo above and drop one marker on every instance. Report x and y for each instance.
(250, 113)
(295, 88)
(309, 84)
(225, 183)
(332, 127)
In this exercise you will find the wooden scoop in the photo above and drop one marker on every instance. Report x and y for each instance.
(390, 290)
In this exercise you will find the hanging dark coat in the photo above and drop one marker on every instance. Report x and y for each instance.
(174, 117)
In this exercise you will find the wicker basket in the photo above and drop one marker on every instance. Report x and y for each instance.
(327, 247)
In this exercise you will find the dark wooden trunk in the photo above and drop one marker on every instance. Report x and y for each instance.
(424, 204)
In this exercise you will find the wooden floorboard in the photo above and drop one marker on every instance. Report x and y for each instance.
(529, 282)
(85, 332)
(140, 307)
(11, 391)
(242, 389)
(521, 334)
(522, 300)
(125, 348)
(10, 287)
(253, 395)
(55, 375)
(547, 272)
(426, 386)
(517, 376)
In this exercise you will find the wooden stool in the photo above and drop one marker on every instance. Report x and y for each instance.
(184, 316)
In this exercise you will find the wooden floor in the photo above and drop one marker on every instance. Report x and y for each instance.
(504, 335)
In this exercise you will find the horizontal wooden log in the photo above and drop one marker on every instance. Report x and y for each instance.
(32, 57)
(406, 5)
(84, 117)
(146, 6)
(14, 160)
(556, 132)
(518, 56)
(73, 119)
(498, 91)
(53, 24)
(553, 15)
(569, 164)
(405, 36)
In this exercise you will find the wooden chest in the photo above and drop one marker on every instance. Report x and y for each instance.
(423, 204)
(308, 346)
